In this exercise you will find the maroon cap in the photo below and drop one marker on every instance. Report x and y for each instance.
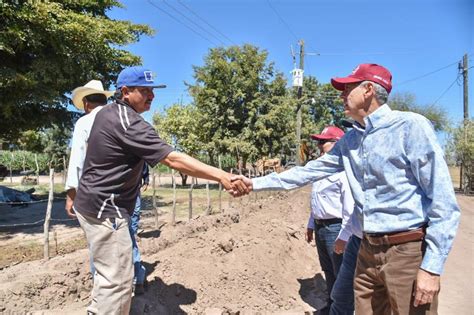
(365, 72)
(329, 133)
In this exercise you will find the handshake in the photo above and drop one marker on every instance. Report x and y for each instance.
(236, 185)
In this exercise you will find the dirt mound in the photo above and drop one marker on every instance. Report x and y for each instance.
(251, 259)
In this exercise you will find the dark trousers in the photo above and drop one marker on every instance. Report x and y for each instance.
(326, 236)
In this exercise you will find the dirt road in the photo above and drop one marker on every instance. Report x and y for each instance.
(251, 259)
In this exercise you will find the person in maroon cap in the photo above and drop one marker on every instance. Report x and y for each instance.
(331, 207)
(404, 197)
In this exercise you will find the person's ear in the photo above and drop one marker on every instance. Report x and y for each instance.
(369, 90)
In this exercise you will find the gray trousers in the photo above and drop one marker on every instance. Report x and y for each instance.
(111, 248)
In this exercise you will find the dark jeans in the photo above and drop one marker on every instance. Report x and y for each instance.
(342, 294)
(325, 236)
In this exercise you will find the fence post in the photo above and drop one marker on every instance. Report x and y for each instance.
(208, 210)
(190, 209)
(220, 186)
(230, 198)
(37, 170)
(64, 169)
(11, 166)
(155, 206)
(48, 214)
(173, 218)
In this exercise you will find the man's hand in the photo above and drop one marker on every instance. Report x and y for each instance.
(309, 235)
(144, 187)
(427, 285)
(339, 246)
(245, 182)
(234, 187)
(68, 207)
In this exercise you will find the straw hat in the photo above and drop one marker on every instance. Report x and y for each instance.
(92, 87)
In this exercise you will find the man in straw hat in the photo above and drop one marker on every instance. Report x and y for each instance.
(123, 141)
(404, 197)
(90, 98)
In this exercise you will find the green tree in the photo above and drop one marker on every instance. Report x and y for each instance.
(47, 48)
(461, 143)
(231, 93)
(407, 102)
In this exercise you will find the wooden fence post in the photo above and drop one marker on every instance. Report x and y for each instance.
(11, 167)
(155, 206)
(64, 169)
(190, 209)
(220, 186)
(230, 198)
(173, 180)
(48, 213)
(37, 170)
(208, 209)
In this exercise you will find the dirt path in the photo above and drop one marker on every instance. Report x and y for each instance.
(252, 259)
(457, 282)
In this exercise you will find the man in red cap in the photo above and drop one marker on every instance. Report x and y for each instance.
(404, 197)
(331, 207)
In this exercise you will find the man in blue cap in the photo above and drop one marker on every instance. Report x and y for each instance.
(122, 142)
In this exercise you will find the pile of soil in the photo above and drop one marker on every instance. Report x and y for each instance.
(253, 258)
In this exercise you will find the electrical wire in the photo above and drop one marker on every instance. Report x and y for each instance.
(203, 20)
(194, 23)
(426, 74)
(180, 22)
(282, 20)
(445, 91)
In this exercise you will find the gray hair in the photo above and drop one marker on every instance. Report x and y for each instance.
(381, 94)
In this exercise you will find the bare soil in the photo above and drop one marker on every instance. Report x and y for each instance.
(252, 259)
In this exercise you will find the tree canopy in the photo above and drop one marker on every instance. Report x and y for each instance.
(407, 102)
(241, 106)
(47, 48)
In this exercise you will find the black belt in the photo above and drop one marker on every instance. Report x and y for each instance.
(327, 221)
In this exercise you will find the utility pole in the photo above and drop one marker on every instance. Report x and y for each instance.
(299, 161)
(466, 98)
(464, 68)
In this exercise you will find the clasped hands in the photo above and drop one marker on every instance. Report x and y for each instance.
(237, 185)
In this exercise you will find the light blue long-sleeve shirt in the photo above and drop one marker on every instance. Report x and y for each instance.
(398, 177)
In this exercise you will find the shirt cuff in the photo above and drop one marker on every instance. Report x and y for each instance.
(344, 235)
(433, 263)
(311, 224)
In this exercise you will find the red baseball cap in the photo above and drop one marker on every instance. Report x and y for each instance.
(365, 72)
(329, 133)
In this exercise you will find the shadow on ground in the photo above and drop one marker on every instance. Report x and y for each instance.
(313, 292)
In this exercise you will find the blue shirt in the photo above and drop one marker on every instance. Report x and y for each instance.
(398, 177)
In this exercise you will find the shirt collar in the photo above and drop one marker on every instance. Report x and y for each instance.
(122, 102)
(378, 117)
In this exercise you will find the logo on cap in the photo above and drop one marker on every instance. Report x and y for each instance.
(148, 76)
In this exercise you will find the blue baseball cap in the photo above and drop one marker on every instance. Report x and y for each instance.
(137, 76)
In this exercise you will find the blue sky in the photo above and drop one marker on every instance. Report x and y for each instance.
(410, 38)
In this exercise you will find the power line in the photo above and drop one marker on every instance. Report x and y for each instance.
(282, 20)
(203, 20)
(427, 74)
(445, 91)
(191, 21)
(174, 18)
